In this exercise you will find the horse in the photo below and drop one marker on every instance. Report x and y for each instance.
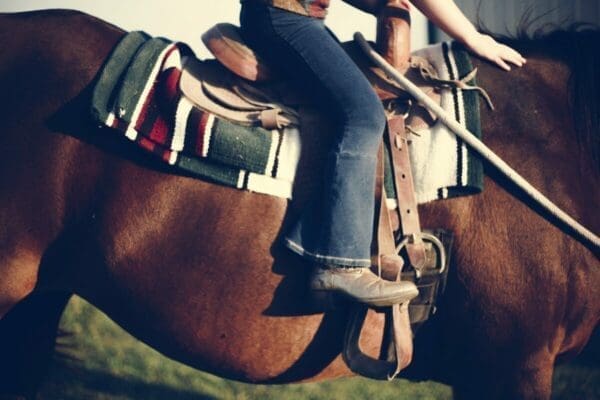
(195, 270)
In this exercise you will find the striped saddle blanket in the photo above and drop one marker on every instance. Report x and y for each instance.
(137, 95)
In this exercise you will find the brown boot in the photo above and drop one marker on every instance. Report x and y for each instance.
(362, 285)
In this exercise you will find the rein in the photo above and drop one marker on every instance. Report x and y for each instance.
(535, 195)
(430, 75)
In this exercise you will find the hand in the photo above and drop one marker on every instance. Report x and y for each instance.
(486, 47)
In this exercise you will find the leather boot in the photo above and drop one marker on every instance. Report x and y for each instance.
(362, 285)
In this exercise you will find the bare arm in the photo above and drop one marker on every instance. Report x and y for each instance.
(376, 6)
(369, 6)
(448, 17)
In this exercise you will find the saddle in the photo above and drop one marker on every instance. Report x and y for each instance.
(225, 42)
(252, 93)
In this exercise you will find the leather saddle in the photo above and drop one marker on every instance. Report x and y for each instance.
(251, 78)
(225, 42)
(227, 45)
(249, 92)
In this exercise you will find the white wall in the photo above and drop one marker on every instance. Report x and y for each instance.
(186, 20)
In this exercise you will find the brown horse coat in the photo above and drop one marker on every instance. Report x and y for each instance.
(193, 269)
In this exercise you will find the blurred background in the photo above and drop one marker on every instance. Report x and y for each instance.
(98, 360)
(504, 16)
(186, 20)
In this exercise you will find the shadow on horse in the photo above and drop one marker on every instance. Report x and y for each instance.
(193, 269)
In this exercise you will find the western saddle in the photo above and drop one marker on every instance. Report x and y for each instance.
(423, 252)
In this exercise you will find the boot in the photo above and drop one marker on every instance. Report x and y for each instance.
(362, 285)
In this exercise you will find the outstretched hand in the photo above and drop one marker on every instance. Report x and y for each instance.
(486, 47)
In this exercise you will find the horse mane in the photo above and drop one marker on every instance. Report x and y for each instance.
(576, 46)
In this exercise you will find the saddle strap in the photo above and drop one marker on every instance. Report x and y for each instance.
(383, 232)
(399, 346)
(405, 191)
(212, 97)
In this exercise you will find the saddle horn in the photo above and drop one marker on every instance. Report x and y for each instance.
(393, 34)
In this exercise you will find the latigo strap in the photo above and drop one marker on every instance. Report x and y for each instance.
(410, 227)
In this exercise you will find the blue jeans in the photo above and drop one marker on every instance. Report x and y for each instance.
(337, 228)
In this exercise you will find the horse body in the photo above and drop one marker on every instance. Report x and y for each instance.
(193, 270)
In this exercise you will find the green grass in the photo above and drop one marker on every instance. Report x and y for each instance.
(106, 363)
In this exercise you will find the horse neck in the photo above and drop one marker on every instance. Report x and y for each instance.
(564, 66)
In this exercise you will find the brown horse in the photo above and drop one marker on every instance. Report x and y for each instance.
(193, 269)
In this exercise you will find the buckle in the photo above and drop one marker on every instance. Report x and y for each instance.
(432, 244)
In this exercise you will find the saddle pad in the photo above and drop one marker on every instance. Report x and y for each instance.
(137, 94)
(443, 165)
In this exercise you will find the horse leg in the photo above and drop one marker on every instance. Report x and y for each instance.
(532, 378)
(18, 274)
(27, 336)
(527, 378)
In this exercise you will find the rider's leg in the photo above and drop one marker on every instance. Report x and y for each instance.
(336, 230)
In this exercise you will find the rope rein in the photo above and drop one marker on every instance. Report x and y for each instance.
(582, 233)
(429, 74)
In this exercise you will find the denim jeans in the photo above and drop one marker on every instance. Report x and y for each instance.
(337, 227)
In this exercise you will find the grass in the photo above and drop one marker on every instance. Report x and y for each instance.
(106, 363)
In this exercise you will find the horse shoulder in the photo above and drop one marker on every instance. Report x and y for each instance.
(47, 62)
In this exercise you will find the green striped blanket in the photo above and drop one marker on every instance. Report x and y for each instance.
(137, 94)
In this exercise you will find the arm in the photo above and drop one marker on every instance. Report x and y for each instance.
(448, 17)
(368, 6)
(376, 6)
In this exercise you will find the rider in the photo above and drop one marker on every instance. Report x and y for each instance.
(335, 231)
